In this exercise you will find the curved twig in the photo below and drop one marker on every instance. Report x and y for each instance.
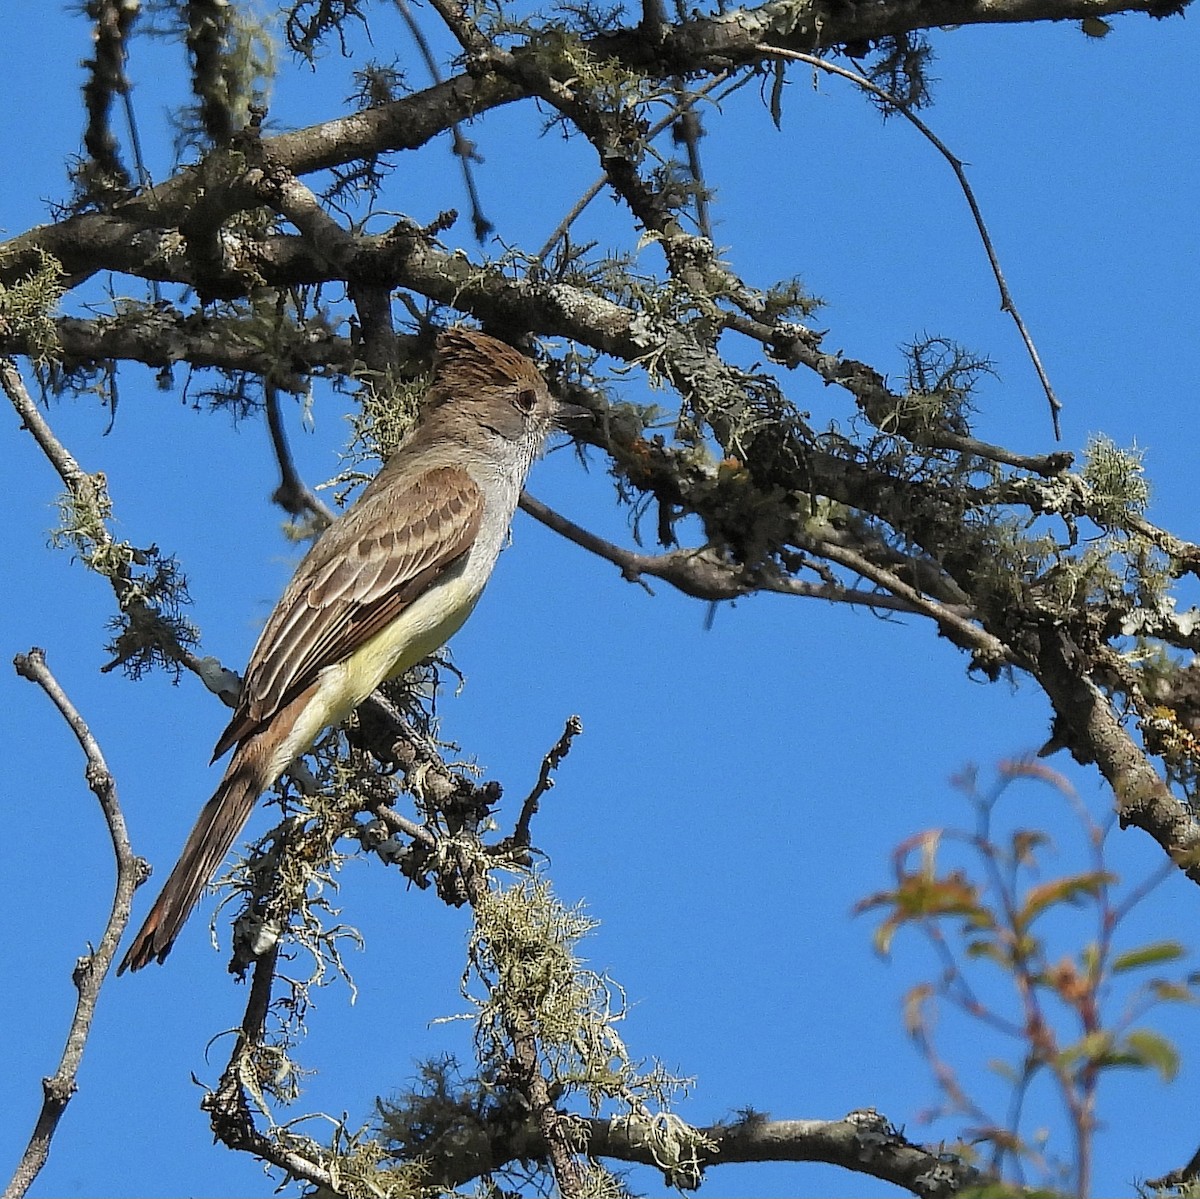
(92, 967)
(1006, 301)
(703, 574)
(293, 495)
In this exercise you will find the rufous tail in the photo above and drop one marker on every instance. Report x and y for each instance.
(221, 819)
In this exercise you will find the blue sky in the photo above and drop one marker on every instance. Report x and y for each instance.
(737, 789)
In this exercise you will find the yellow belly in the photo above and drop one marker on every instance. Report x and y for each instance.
(423, 627)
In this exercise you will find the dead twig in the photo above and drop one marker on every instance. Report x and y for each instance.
(91, 967)
(293, 495)
(680, 110)
(90, 491)
(1007, 303)
(550, 763)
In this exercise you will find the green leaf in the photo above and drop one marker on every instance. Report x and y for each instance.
(1095, 1048)
(990, 949)
(1153, 1049)
(1072, 889)
(1169, 992)
(1153, 954)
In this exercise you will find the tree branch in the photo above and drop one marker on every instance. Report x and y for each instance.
(1007, 303)
(109, 558)
(92, 967)
(1094, 733)
(703, 574)
(550, 763)
(161, 337)
(106, 79)
(864, 1142)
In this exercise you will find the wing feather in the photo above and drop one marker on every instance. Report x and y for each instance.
(359, 576)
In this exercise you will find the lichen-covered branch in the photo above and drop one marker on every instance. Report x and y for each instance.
(106, 80)
(776, 463)
(147, 586)
(864, 1142)
(158, 337)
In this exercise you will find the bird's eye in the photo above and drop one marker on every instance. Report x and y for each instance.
(526, 400)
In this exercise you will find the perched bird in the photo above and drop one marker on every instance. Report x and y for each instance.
(383, 587)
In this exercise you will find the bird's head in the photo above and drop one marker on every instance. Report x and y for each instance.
(488, 383)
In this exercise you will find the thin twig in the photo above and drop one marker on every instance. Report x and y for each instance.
(702, 574)
(687, 132)
(293, 495)
(956, 627)
(473, 42)
(145, 181)
(71, 473)
(683, 105)
(572, 216)
(92, 967)
(228, 1106)
(956, 165)
(550, 763)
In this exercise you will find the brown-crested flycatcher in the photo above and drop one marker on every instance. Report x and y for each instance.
(383, 587)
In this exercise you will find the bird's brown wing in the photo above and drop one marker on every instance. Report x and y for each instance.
(362, 572)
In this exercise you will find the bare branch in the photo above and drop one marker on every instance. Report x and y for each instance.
(229, 1108)
(703, 574)
(31, 419)
(412, 121)
(958, 628)
(550, 763)
(92, 967)
(956, 165)
(1094, 732)
(293, 495)
(863, 1142)
(160, 337)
